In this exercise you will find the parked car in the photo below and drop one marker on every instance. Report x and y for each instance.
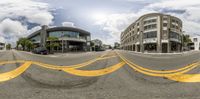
(40, 50)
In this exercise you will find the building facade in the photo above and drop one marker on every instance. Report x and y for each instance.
(105, 46)
(195, 45)
(69, 38)
(154, 32)
(2, 46)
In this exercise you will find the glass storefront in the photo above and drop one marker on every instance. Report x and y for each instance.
(59, 34)
(175, 35)
(152, 34)
(36, 38)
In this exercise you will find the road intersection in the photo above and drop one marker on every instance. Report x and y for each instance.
(106, 75)
(177, 74)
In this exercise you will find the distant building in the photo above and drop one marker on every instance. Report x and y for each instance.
(117, 45)
(195, 45)
(69, 38)
(155, 32)
(2, 46)
(107, 46)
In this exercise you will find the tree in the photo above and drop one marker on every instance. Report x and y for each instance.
(186, 39)
(29, 45)
(22, 42)
(25, 43)
(52, 44)
(92, 45)
(8, 46)
(18, 43)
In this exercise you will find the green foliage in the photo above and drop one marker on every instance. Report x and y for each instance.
(29, 45)
(8, 46)
(25, 43)
(52, 43)
(186, 39)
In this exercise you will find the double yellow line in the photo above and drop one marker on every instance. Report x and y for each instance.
(72, 69)
(12, 74)
(177, 74)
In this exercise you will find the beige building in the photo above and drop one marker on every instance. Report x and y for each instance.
(153, 32)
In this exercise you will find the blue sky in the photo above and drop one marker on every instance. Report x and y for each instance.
(105, 19)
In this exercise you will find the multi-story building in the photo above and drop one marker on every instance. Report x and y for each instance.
(153, 32)
(69, 38)
(2, 46)
(195, 45)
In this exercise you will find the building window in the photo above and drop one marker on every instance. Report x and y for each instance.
(173, 21)
(177, 27)
(164, 24)
(165, 18)
(173, 26)
(150, 21)
(195, 39)
(148, 27)
(69, 34)
(138, 29)
(152, 34)
(175, 35)
(36, 38)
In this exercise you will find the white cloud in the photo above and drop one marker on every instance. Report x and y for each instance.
(34, 29)
(114, 24)
(12, 28)
(15, 14)
(68, 24)
(175, 4)
(43, 18)
(2, 40)
(35, 12)
(186, 10)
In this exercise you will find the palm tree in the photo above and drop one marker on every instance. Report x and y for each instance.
(22, 42)
(25, 43)
(29, 45)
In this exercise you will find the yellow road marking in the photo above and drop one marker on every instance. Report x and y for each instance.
(157, 74)
(57, 67)
(157, 71)
(90, 73)
(12, 74)
(12, 62)
(185, 78)
(107, 57)
(177, 75)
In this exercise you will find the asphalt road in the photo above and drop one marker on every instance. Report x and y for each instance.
(42, 83)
